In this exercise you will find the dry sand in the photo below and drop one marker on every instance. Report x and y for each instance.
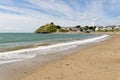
(98, 62)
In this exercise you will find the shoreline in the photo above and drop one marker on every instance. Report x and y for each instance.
(98, 62)
(23, 54)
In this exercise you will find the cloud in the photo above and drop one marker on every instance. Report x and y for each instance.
(19, 16)
(59, 7)
(17, 23)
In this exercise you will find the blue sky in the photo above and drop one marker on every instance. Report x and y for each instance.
(28, 15)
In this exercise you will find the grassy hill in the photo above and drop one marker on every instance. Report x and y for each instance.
(48, 28)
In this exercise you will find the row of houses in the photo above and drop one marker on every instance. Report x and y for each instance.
(98, 28)
(109, 27)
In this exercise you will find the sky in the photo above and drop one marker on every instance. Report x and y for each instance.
(28, 15)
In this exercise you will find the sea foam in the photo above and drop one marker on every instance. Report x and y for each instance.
(19, 55)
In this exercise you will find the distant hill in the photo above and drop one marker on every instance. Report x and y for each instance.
(48, 28)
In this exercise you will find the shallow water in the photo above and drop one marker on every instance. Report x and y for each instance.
(19, 55)
(15, 41)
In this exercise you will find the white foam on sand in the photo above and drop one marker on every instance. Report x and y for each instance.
(19, 55)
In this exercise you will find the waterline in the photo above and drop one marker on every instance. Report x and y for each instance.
(19, 55)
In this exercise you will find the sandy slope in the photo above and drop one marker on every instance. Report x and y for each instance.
(99, 62)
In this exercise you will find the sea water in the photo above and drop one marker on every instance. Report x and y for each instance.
(21, 46)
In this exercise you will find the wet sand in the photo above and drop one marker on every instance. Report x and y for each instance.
(97, 62)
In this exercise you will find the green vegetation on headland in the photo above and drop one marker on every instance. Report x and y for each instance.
(48, 28)
(52, 28)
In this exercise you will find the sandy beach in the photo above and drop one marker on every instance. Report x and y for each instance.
(98, 62)
(60, 40)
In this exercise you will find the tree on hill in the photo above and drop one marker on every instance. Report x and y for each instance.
(86, 28)
(58, 27)
(78, 26)
(52, 23)
(92, 28)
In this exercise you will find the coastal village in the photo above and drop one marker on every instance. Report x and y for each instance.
(52, 28)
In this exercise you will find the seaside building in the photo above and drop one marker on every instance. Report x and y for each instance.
(71, 29)
(65, 28)
(109, 27)
(99, 28)
(118, 27)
